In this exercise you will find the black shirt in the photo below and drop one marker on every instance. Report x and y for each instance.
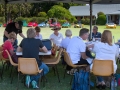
(30, 47)
(11, 28)
(97, 35)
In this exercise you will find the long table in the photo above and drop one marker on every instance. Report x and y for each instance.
(40, 53)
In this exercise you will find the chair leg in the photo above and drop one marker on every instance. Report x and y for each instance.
(65, 73)
(54, 70)
(57, 73)
(3, 69)
(71, 80)
(18, 82)
(11, 71)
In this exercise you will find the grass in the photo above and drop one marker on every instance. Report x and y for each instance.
(52, 83)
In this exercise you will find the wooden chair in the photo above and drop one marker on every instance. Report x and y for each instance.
(103, 68)
(52, 62)
(12, 64)
(28, 66)
(69, 62)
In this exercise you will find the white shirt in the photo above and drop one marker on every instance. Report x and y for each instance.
(104, 51)
(65, 42)
(75, 47)
(38, 37)
(56, 39)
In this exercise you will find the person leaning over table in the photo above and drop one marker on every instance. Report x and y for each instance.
(77, 49)
(105, 50)
(56, 37)
(30, 48)
(13, 27)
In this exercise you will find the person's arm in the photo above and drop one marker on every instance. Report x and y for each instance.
(21, 34)
(6, 33)
(44, 49)
(83, 55)
(19, 49)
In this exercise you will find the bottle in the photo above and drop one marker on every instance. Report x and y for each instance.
(115, 82)
(93, 39)
(112, 84)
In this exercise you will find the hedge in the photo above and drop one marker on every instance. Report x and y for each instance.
(2, 20)
(32, 19)
(101, 20)
(86, 21)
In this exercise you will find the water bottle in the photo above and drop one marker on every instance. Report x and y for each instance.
(115, 85)
(112, 85)
(93, 39)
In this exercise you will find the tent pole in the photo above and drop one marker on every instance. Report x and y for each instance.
(90, 20)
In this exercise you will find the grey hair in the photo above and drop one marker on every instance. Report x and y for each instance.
(68, 33)
(31, 33)
(96, 27)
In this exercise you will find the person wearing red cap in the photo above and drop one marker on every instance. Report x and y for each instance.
(13, 27)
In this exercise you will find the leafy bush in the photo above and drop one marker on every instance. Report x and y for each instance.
(42, 14)
(100, 13)
(101, 20)
(2, 20)
(86, 21)
(61, 21)
(32, 19)
(40, 19)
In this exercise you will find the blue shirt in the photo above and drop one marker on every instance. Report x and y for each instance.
(97, 35)
(65, 42)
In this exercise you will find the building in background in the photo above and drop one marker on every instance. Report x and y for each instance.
(112, 12)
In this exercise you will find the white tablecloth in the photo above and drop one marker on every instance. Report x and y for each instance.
(40, 53)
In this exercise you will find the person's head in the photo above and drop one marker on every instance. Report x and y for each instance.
(31, 33)
(37, 29)
(107, 37)
(84, 33)
(68, 33)
(12, 37)
(19, 25)
(95, 29)
(56, 29)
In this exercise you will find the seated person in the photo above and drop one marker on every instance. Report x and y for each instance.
(30, 48)
(8, 45)
(77, 49)
(65, 42)
(95, 32)
(38, 35)
(105, 50)
(56, 37)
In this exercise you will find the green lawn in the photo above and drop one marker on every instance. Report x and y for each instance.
(52, 83)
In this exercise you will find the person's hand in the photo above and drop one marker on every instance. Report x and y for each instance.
(90, 46)
(118, 43)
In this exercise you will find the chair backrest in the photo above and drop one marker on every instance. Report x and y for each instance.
(102, 67)
(11, 61)
(28, 66)
(1, 48)
(59, 55)
(67, 59)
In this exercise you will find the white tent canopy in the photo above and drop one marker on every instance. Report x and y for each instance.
(64, 1)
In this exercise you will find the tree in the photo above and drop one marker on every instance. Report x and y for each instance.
(60, 12)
